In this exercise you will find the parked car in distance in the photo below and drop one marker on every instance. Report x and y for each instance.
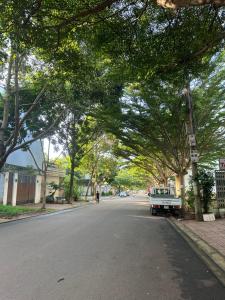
(123, 194)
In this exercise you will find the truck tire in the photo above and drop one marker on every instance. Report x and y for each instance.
(154, 213)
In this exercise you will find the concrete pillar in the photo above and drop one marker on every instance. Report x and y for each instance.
(37, 198)
(15, 184)
(6, 184)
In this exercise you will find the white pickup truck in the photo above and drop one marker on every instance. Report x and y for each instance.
(163, 200)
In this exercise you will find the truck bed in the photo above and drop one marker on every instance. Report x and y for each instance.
(165, 200)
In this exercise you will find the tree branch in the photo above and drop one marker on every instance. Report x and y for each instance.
(34, 159)
(85, 13)
(8, 90)
(36, 101)
(17, 100)
(174, 4)
(33, 105)
(39, 136)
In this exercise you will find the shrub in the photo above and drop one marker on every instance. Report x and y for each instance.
(206, 182)
(190, 199)
(107, 193)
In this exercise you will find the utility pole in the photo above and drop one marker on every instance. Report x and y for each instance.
(193, 152)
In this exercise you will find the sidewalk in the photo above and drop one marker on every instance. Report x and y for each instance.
(211, 232)
(208, 241)
(58, 206)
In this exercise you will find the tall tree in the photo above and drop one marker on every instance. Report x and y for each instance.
(151, 122)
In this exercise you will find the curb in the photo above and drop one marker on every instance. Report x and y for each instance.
(44, 214)
(213, 258)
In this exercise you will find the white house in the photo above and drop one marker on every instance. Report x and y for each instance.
(17, 184)
(15, 180)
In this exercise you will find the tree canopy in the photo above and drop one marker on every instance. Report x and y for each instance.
(124, 63)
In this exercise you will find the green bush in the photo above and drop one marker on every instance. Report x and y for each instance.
(107, 193)
(206, 182)
(76, 189)
(190, 198)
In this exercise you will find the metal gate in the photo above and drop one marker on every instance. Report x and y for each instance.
(25, 189)
(220, 188)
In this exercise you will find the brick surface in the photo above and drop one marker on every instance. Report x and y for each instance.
(212, 232)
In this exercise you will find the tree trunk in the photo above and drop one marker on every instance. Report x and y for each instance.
(88, 187)
(179, 185)
(95, 186)
(5, 116)
(45, 188)
(180, 190)
(196, 190)
(71, 184)
(165, 181)
(45, 169)
(92, 188)
(89, 184)
(2, 163)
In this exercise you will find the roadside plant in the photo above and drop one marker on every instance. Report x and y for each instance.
(206, 182)
(76, 192)
(190, 198)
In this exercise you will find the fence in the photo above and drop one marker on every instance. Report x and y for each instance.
(25, 189)
(17, 188)
(220, 188)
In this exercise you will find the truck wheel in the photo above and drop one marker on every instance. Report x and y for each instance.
(154, 212)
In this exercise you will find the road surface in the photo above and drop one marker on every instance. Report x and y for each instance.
(111, 251)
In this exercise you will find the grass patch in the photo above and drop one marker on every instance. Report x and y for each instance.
(8, 211)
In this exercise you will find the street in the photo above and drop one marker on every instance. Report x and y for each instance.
(111, 251)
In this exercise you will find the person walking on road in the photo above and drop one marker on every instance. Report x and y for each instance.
(97, 196)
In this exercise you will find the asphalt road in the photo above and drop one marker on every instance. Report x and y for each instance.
(111, 251)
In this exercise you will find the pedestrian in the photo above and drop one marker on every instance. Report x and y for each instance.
(97, 196)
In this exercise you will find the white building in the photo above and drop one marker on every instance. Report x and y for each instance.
(17, 184)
